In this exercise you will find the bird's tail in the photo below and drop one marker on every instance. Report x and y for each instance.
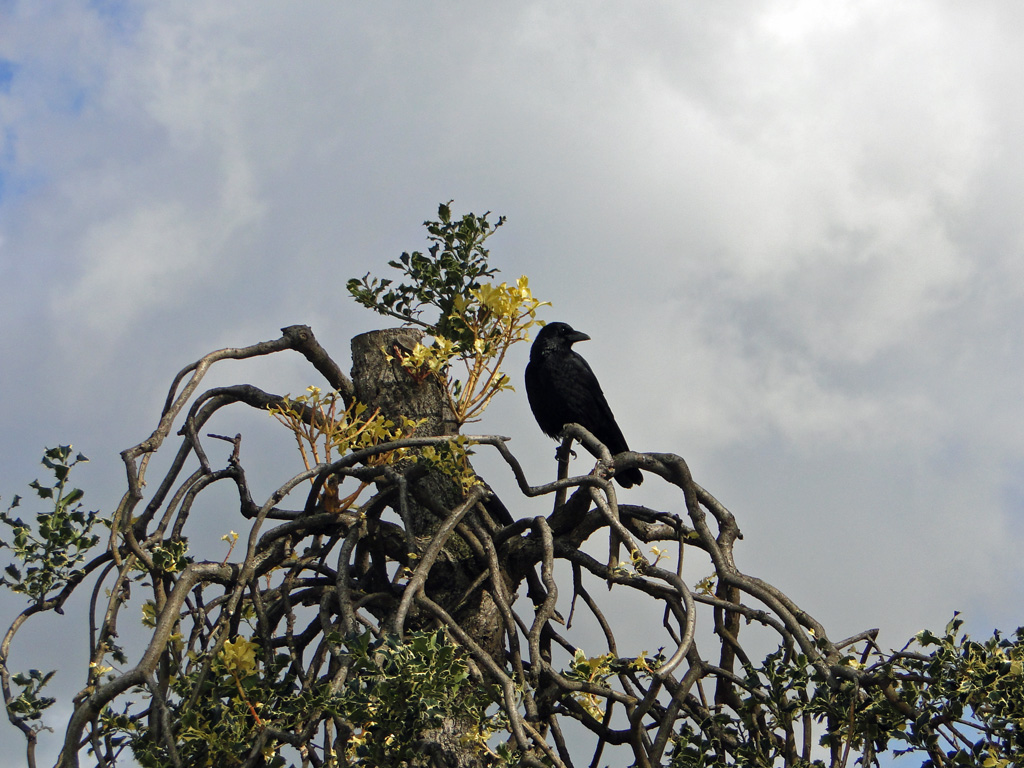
(629, 477)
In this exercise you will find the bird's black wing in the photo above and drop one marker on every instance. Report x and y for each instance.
(584, 401)
(544, 402)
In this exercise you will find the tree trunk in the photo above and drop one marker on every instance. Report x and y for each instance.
(385, 384)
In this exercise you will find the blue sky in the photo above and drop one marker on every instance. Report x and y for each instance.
(791, 228)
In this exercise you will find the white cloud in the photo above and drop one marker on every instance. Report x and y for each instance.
(130, 262)
(149, 177)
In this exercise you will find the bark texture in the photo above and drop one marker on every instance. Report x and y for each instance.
(454, 580)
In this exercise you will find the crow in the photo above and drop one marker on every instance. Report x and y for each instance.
(563, 390)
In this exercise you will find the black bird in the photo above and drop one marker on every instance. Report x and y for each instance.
(563, 390)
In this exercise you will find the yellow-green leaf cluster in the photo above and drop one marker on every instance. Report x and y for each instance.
(477, 321)
(591, 669)
(171, 556)
(239, 656)
(451, 458)
(706, 586)
(487, 321)
(324, 430)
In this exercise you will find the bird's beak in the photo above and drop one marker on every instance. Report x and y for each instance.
(577, 336)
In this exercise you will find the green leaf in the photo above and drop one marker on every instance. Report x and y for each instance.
(75, 495)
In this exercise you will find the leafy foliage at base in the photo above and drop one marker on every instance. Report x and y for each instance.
(398, 691)
(961, 704)
(391, 692)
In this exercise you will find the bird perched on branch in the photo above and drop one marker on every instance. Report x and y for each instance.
(563, 390)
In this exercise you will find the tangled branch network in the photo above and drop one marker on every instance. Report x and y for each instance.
(283, 633)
